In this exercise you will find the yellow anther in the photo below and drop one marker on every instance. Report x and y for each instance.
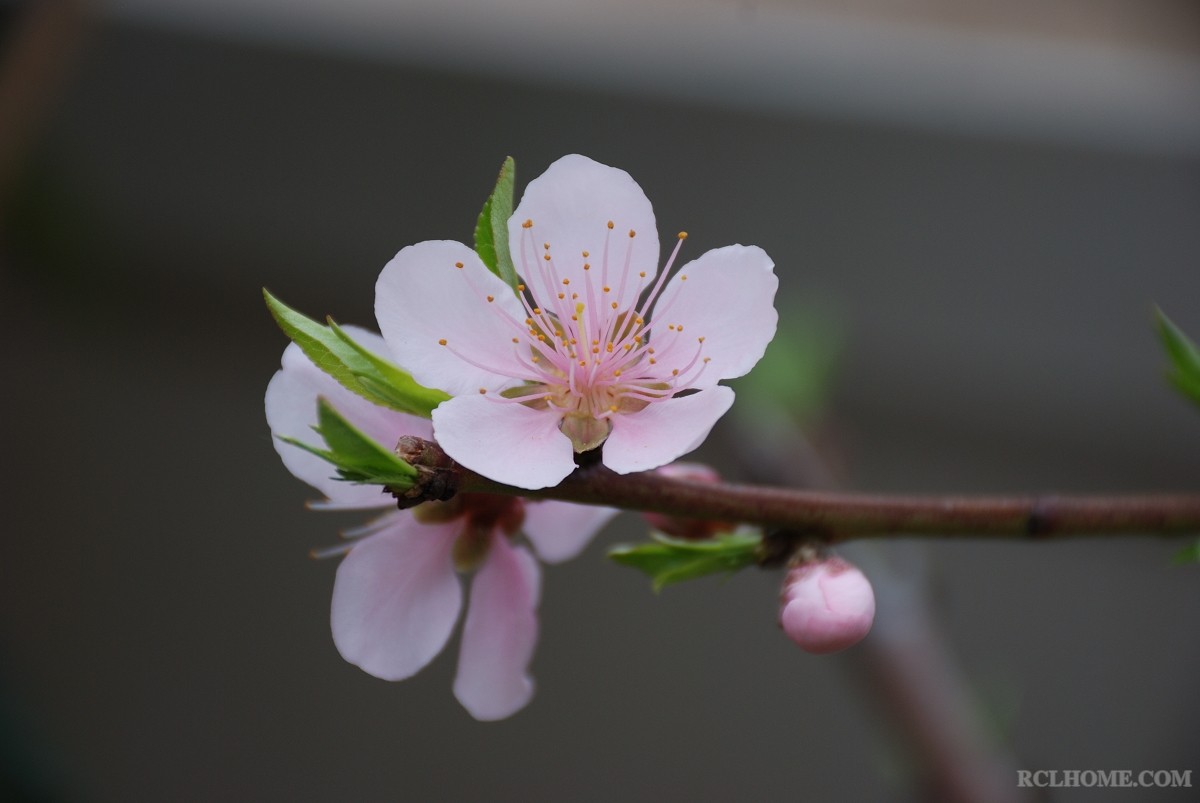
(575, 317)
(574, 296)
(515, 340)
(574, 342)
(642, 274)
(566, 281)
(529, 321)
(682, 235)
(612, 408)
(637, 338)
(541, 338)
(679, 328)
(640, 321)
(546, 246)
(579, 307)
(608, 347)
(610, 224)
(651, 351)
(583, 363)
(482, 391)
(700, 339)
(652, 361)
(595, 349)
(674, 372)
(608, 289)
(585, 254)
(614, 305)
(491, 298)
(707, 359)
(586, 266)
(536, 358)
(671, 326)
(520, 288)
(547, 256)
(458, 265)
(682, 278)
(562, 295)
(632, 233)
(595, 342)
(442, 342)
(628, 346)
(527, 224)
(617, 372)
(537, 310)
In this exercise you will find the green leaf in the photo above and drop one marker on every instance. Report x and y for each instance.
(672, 560)
(1185, 357)
(386, 381)
(353, 366)
(491, 230)
(1189, 554)
(356, 457)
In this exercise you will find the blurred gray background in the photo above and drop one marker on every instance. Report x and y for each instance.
(981, 203)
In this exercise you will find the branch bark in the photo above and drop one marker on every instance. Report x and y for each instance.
(826, 516)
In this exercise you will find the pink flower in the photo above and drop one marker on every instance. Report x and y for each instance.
(828, 605)
(397, 594)
(577, 359)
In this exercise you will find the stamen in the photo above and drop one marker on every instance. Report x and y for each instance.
(335, 551)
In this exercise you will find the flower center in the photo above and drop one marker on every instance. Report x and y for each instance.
(585, 342)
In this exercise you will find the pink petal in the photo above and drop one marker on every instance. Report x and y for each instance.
(421, 298)
(503, 441)
(291, 405)
(559, 530)
(728, 299)
(664, 430)
(499, 634)
(570, 206)
(396, 598)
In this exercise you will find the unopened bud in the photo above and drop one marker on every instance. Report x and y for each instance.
(678, 526)
(828, 605)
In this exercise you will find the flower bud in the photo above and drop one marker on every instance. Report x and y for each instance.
(827, 605)
(677, 526)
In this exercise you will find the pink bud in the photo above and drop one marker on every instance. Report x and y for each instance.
(828, 605)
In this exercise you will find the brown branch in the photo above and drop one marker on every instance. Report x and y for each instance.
(828, 516)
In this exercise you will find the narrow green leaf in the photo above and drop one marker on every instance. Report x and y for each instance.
(387, 381)
(353, 366)
(1189, 554)
(672, 560)
(1184, 355)
(356, 457)
(491, 229)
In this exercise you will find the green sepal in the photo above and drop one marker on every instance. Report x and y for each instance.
(1189, 554)
(491, 229)
(354, 367)
(1185, 357)
(672, 560)
(356, 457)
